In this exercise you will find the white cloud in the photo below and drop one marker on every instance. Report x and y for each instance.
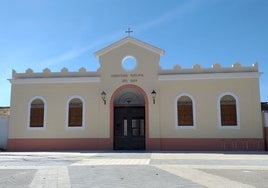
(76, 52)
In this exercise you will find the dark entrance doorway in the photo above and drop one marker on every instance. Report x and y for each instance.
(129, 128)
(129, 120)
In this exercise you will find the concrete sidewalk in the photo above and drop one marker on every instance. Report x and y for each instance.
(130, 169)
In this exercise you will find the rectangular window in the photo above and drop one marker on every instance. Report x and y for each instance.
(75, 116)
(142, 127)
(137, 127)
(228, 115)
(37, 117)
(125, 127)
(185, 115)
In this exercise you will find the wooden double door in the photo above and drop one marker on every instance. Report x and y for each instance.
(129, 128)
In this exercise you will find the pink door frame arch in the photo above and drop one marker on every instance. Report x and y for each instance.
(146, 112)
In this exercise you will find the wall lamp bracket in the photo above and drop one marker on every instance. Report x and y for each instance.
(153, 93)
(103, 96)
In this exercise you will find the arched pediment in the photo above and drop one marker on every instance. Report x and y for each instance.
(131, 40)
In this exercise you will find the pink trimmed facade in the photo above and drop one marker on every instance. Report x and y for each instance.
(152, 144)
(141, 107)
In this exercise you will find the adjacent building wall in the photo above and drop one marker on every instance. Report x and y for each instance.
(4, 122)
(265, 125)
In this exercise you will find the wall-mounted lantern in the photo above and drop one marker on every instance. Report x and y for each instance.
(103, 96)
(153, 96)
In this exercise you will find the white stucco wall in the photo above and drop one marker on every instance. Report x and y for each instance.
(4, 122)
(266, 119)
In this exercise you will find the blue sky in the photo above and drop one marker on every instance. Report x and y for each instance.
(53, 34)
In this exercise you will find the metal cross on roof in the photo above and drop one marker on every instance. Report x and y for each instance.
(129, 31)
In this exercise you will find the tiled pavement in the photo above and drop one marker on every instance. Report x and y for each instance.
(119, 169)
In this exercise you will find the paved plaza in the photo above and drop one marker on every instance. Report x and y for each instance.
(131, 169)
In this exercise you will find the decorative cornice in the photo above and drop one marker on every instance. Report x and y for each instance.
(205, 76)
(55, 80)
(29, 73)
(216, 68)
(30, 77)
(177, 73)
